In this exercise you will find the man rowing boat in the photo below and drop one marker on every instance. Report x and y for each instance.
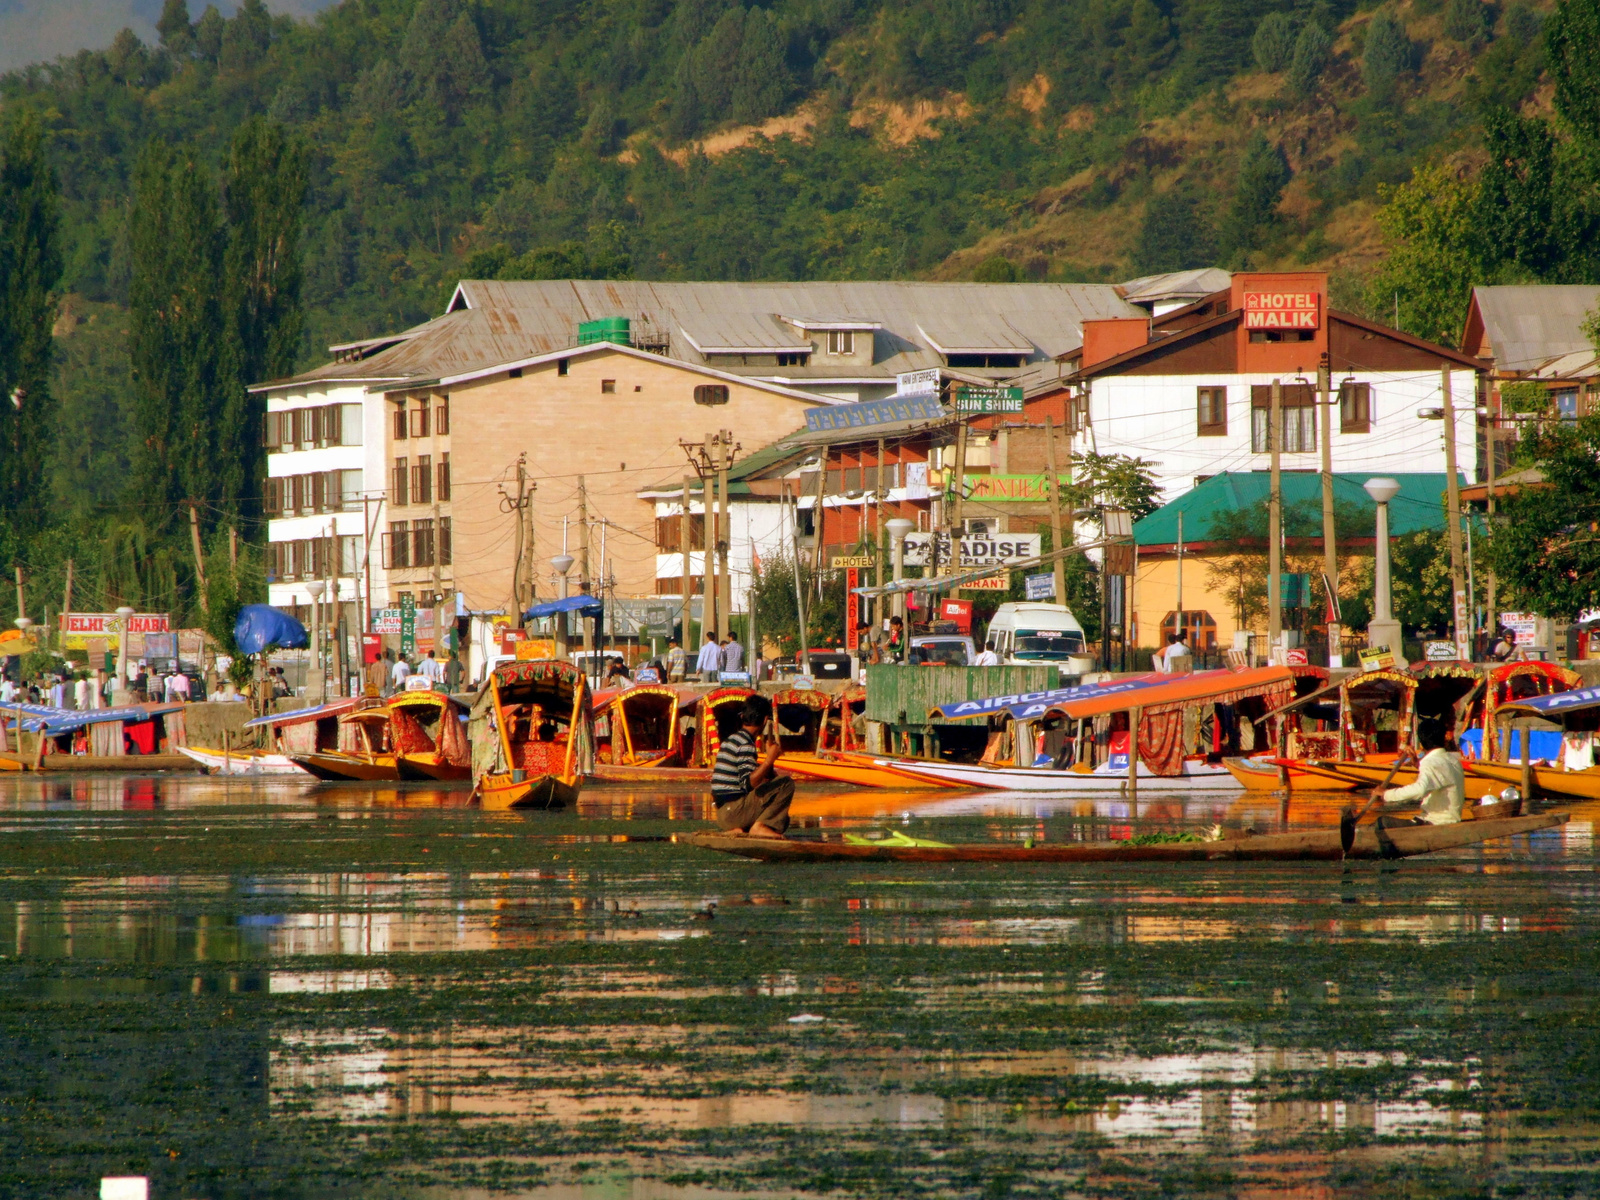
(751, 799)
(1441, 783)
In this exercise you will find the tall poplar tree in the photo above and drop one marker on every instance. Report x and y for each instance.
(264, 191)
(184, 366)
(30, 267)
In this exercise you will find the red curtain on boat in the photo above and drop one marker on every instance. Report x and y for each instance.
(453, 745)
(1161, 742)
(408, 734)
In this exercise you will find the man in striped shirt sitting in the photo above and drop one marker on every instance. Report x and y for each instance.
(751, 798)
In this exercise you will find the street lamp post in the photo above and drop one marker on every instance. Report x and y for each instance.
(119, 694)
(898, 528)
(1383, 630)
(563, 564)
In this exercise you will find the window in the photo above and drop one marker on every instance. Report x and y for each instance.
(349, 424)
(400, 423)
(399, 484)
(793, 360)
(711, 393)
(443, 488)
(984, 360)
(841, 341)
(274, 497)
(318, 500)
(297, 493)
(1297, 418)
(561, 366)
(441, 414)
(1281, 335)
(444, 541)
(667, 533)
(422, 480)
(1211, 419)
(422, 543)
(398, 550)
(1355, 408)
(349, 489)
(419, 421)
(272, 431)
(608, 387)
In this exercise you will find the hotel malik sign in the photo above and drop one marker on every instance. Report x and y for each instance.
(1282, 310)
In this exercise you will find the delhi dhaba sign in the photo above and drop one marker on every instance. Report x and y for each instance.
(1282, 310)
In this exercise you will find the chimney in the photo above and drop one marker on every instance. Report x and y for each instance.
(1112, 336)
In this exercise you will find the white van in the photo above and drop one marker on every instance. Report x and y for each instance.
(1031, 634)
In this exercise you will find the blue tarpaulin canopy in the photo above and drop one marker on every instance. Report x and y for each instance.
(583, 604)
(55, 721)
(1551, 707)
(260, 626)
(1025, 705)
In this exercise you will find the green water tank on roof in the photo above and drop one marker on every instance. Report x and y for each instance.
(606, 329)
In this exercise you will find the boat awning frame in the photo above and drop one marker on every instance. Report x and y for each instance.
(1185, 689)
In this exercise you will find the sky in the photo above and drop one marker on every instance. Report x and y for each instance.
(41, 30)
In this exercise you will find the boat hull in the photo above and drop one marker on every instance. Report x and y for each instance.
(499, 792)
(1043, 779)
(1256, 776)
(346, 768)
(633, 773)
(1583, 785)
(250, 762)
(430, 767)
(1315, 844)
(849, 770)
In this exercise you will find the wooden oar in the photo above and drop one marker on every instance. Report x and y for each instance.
(1349, 819)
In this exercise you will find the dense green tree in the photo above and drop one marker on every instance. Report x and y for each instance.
(1435, 254)
(1517, 190)
(761, 78)
(1312, 49)
(184, 370)
(1571, 37)
(208, 32)
(1466, 21)
(1385, 57)
(997, 269)
(1273, 44)
(1174, 235)
(1548, 554)
(30, 269)
(177, 34)
(1253, 211)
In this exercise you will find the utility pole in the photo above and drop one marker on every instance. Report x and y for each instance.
(1057, 533)
(1458, 590)
(1491, 617)
(684, 543)
(879, 550)
(1330, 541)
(583, 571)
(1179, 605)
(1275, 527)
(22, 610)
(66, 606)
(724, 534)
(957, 496)
(708, 503)
(199, 559)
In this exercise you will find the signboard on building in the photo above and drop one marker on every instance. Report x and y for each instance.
(1282, 310)
(1001, 551)
(916, 383)
(850, 562)
(1009, 488)
(994, 583)
(959, 611)
(79, 628)
(534, 649)
(386, 620)
(875, 412)
(988, 399)
(852, 602)
(1523, 626)
(408, 625)
(1439, 651)
(1379, 656)
(1040, 587)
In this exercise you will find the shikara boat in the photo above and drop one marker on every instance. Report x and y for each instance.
(243, 762)
(719, 717)
(145, 737)
(644, 726)
(532, 735)
(426, 730)
(862, 770)
(1577, 715)
(1324, 844)
(1267, 774)
(374, 760)
(839, 724)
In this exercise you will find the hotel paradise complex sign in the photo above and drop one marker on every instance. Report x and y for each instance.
(1282, 310)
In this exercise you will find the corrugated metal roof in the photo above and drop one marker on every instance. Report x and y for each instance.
(1580, 364)
(1528, 324)
(1176, 285)
(973, 333)
(490, 322)
(1418, 506)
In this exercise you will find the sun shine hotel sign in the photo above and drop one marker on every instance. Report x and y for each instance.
(1282, 310)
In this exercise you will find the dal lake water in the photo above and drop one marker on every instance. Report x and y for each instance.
(283, 989)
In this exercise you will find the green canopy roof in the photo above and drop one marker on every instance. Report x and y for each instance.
(1420, 504)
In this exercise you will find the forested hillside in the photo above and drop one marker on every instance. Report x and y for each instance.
(998, 139)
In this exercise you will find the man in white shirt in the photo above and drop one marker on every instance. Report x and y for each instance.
(400, 673)
(1176, 648)
(987, 657)
(8, 691)
(433, 668)
(1441, 783)
(58, 692)
(710, 660)
(83, 694)
(732, 656)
